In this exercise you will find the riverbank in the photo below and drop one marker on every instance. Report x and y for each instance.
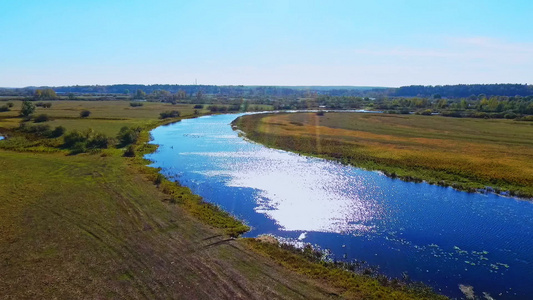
(101, 225)
(466, 154)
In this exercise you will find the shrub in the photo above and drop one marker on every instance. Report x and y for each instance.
(426, 112)
(128, 135)
(9, 104)
(198, 106)
(79, 147)
(73, 138)
(40, 130)
(136, 104)
(510, 115)
(99, 141)
(404, 111)
(320, 113)
(158, 179)
(451, 113)
(525, 118)
(169, 114)
(130, 151)
(57, 132)
(85, 113)
(4, 108)
(41, 118)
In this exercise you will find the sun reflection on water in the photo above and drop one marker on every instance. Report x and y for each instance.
(324, 200)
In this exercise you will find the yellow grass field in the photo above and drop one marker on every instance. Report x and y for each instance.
(465, 153)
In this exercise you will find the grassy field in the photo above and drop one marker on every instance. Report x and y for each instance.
(100, 225)
(106, 117)
(467, 154)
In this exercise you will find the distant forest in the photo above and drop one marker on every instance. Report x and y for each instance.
(463, 90)
(444, 91)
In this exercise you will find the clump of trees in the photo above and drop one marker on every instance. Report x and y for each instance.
(169, 114)
(44, 94)
(80, 142)
(42, 130)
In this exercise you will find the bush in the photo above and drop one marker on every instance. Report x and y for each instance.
(128, 135)
(525, 118)
(99, 141)
(320, 113)
(85, 113)
(426, 112)
(79, 147)
(73, 138)
(4, 108)
(510, 115)
(130, 151)
(41, 118)
(198, 106)
(136, 104)
(57, 132)
(169, 114)
(43, 104)
(9, 104)
(79, 142)
(451, 113)
(40, 130)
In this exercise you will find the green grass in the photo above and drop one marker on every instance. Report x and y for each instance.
(99, 225)
(88, 226)
(467, 154)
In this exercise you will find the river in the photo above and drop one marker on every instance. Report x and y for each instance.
(436, 235)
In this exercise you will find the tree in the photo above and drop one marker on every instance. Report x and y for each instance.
(140, 94)
(27, 108)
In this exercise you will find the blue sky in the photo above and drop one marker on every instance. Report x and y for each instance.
(363, 43)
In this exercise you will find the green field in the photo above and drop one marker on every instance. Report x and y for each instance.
(100, 225)
(467, 154)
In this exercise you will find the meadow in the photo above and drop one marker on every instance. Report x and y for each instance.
(101, 225)
(467, 154)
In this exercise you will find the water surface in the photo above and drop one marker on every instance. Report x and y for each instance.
(437, 235)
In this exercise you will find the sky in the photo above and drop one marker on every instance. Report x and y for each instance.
(357, 43)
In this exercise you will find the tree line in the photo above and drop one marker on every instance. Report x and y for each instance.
(139, 91)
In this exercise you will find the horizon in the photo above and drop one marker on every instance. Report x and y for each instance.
(255, 85)
(274, 43)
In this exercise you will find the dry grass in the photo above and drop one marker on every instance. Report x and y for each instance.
(465, 153)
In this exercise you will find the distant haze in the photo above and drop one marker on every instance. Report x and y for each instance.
(290, 43)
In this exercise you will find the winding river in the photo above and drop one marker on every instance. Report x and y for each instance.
(437, 235)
